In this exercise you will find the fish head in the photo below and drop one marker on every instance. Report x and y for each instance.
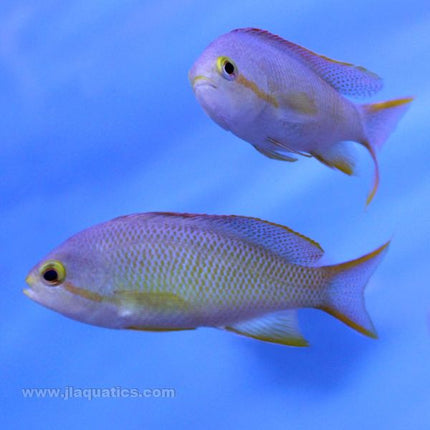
(73, 280)
(230, 83)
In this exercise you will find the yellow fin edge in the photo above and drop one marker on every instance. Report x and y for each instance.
(374, 107)
(348, 322)
(290, 342)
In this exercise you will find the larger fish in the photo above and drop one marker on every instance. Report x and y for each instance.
(166, 271)
(286, 100)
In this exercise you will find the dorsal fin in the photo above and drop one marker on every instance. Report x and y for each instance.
(348, 79)
(281, 240)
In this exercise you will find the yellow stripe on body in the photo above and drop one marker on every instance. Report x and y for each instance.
(259, 93)
(82, 292)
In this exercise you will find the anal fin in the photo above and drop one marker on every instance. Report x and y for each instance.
(337, 157)
(280, 327)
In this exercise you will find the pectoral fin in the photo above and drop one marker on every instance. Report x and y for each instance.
(156, 301)
(284, 147)
(299, 102)
(281, 327)
(275, 155)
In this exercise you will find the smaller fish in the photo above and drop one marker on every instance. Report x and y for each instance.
(171, 271)
(288, 101)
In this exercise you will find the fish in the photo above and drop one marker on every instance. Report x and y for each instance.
(163, 271)
(288, 101)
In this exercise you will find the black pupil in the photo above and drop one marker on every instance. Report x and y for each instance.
(50, 275)
(229, 68)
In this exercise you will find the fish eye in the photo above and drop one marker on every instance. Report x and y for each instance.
(227, 68)
(53, 273)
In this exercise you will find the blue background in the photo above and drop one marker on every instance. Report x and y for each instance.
(97, 119)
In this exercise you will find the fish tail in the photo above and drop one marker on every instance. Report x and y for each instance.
(379, 120)
(344, 298)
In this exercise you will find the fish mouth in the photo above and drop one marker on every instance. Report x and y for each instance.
(29, 292)
(200, 81)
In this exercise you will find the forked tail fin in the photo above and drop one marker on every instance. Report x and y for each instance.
(379, 120)
(345, 294)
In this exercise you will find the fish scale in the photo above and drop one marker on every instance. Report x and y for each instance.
(286, 100)
(169, 271)
(227, 281)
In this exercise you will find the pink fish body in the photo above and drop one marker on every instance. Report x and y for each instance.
(286, 100)
(167, 271)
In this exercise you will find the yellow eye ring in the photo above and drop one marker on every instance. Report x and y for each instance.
(53, 273)
(226, 68)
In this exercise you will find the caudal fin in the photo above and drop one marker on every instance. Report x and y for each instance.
(379, 121)
(345, 294)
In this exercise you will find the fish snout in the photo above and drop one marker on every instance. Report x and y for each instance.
(201, 80)
(30, 280)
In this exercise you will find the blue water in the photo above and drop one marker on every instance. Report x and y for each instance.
(97, 119)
